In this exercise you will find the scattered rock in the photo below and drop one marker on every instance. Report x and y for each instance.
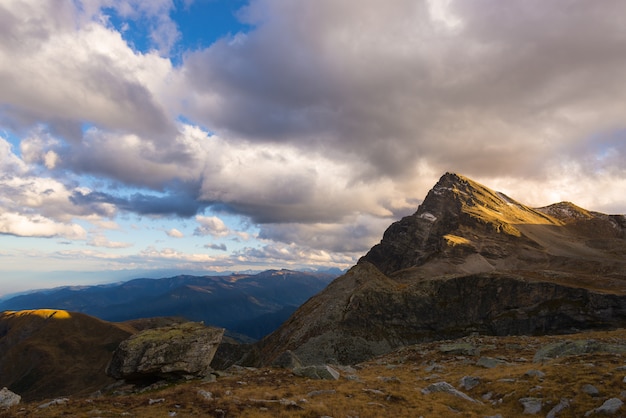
(531, 406)
(469, 382)
(590, 390)
(374, 392)
(324, 372)
(8, 398)
(434, 368)
(564, 404)
(284, 402)
(287, 360)
(205, 395)
(58, 401)
(535, 373)
(389, 379)
(609, 407)
(153, 401)
(576, 347)
(320, 393)
(446, 388)
(489, 362)
(459, 349)
(169, 352)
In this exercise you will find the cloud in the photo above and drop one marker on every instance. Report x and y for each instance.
(478, 87)
(219, 247)
(174, 233)
(67, 70)
(38, 226)
(353, 236)
(211, 225)
(102, 241)
(280, 254)
(172, 203)
(36, 199)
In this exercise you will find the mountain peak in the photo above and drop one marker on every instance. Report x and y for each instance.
(456, 211)
(470, 259)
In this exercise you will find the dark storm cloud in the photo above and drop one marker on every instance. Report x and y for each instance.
(173, 204)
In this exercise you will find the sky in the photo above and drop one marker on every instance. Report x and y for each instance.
(145, 137)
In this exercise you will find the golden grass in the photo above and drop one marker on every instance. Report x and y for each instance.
(387, 386)
(43, 313)
(456, 240)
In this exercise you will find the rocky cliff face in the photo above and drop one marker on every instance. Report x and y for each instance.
(469, 260)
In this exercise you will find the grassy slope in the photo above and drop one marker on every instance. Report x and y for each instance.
(49, 352)
(388, 386)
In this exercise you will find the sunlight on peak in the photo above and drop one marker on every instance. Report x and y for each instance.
(44, 313)
(456, 240)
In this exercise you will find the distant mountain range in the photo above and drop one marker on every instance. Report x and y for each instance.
(251, 305)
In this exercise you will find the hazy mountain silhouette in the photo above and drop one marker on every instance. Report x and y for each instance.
(248, 304)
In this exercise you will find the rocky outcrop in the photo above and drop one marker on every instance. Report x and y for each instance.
(469, 260)
(170, 352)
(8, 399)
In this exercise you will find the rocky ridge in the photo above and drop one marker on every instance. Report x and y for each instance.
(469, 260)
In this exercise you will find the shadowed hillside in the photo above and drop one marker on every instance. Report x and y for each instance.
(49, 352)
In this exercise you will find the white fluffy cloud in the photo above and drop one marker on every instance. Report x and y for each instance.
(174, 233)
(64, 70)
(211, 225)
(38, 226)
(480, 87)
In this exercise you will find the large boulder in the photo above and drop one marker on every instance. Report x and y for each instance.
(178, 351)
(8, 399)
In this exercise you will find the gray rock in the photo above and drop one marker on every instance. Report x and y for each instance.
(535, 373)
(446, 388)
(469, 382)
(434, 368)
(374, 392)
(287, 360)
(8, 398)
(564, 404)
(170, 352)
(320, 393)
(324, 372)
(489, 362)
(576, 347)
(609, 407)
(590, 390)
(459, 349)
(58, 401)
(531, 406)
(205, 395)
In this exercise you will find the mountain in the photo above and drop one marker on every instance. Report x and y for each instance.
(469, 260)
(248, 304)
(45, 352)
